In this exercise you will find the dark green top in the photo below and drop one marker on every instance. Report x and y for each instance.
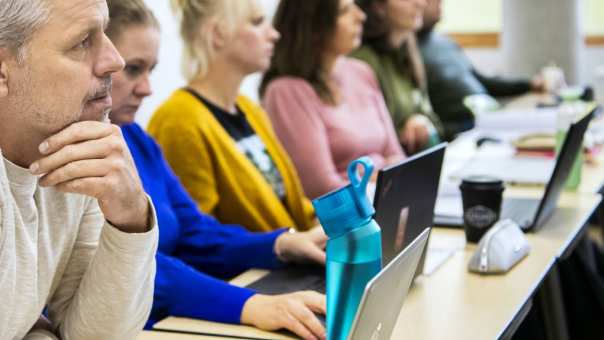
(394, 73)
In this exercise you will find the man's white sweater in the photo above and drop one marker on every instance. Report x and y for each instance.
(58, 251)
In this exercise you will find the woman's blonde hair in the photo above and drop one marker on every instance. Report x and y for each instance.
(194, 16)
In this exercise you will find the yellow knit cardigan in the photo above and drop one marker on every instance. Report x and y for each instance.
(221, 178)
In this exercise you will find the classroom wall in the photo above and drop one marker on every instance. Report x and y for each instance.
(489, 18)
(594, 17)
(485, 17)
(491, 60)
(457, 12)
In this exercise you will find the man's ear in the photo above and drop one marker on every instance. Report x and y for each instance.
(4, 57)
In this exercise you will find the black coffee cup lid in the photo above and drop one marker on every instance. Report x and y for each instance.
(481, 182)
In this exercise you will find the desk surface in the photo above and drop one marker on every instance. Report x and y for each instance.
(470, 306)
(146, 335)
(453, 303)
(592, 177)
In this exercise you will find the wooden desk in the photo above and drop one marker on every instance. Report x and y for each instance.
(470, 306)
(146, 335)
(206, 327)
(453, 303)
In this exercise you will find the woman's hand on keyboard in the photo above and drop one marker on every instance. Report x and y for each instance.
(294, 312)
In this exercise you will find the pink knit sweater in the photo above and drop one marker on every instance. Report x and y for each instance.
(322, 139)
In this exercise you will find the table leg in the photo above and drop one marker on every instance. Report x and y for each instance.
(601, 220)
(552, 306)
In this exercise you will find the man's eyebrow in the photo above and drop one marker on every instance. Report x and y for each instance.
(92, 24)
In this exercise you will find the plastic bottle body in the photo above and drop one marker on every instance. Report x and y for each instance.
(353, 259)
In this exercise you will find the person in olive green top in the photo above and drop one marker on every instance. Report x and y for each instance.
(389, 47)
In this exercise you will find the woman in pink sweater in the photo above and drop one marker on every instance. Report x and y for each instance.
(326, 108)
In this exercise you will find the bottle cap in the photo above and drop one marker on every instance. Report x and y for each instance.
(345, 209)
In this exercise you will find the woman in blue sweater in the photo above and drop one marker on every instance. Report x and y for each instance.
(194, 248)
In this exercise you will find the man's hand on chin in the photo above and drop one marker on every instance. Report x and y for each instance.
(92, 158)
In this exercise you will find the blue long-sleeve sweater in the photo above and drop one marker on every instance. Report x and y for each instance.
(193, 246)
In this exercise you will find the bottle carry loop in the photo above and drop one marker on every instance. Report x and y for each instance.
(360, 185)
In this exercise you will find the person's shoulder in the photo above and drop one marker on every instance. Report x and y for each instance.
(181, 108)
(353, 68)
(139, 141)
(245, 100)
(367, 54)
(288, 86)
(441, 39)
(134, 131)
(249, 106)
(181, 100)
(355, 65)
(286, 83)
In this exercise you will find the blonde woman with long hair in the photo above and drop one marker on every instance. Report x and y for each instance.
(219, 142)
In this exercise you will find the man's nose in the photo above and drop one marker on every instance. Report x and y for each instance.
(110, 61)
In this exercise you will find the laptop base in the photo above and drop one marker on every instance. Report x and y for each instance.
(291, 279)
(519, 210)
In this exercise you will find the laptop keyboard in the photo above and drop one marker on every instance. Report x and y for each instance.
(291, 279)
(318, 285)
(520, 210)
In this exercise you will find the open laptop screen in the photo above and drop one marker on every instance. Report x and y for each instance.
(405, 198)
(572, 146)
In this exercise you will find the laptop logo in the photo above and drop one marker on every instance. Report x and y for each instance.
(399, 239)
(376, 332)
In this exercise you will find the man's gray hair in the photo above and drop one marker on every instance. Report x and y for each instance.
(19, 19)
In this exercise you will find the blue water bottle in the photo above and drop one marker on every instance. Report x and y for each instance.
(354, 248)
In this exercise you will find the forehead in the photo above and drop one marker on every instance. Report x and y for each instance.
(138, 42)
(255, 6)
(78, 14)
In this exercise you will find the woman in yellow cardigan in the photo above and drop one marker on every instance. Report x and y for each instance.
(220, 143)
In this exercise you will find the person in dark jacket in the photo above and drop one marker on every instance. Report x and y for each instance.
(451, 76)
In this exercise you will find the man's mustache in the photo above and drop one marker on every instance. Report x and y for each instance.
(103, 91)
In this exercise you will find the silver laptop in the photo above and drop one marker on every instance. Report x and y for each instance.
(384, 295)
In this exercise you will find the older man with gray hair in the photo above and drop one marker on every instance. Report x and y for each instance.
(77, 232)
